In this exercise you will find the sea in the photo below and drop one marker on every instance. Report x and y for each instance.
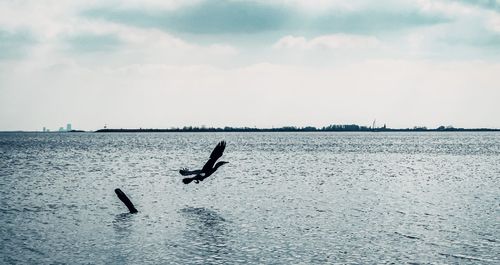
(283, 198)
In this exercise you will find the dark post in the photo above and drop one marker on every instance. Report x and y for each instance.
(121, 195)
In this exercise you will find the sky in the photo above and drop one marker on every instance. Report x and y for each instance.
(175, 63)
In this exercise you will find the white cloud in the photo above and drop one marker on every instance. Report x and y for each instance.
(153, 4)
(449, 8)
(337, 41)
(321, 6)
(494, 22)
(222, 49)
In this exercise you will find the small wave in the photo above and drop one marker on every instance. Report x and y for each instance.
(34, 251)
(407, 236)
(490, 240)
(470, 258)
(9, 210)
(34, 209)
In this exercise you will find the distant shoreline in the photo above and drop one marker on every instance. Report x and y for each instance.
(297, 129)
(331, 128)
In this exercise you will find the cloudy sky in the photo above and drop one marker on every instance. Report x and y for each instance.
(146, 63)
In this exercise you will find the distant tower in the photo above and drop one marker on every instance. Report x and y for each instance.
(68, 127)
(61, 129)
(44, 129)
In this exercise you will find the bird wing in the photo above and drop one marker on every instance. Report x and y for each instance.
(218, 150)
(216, 154)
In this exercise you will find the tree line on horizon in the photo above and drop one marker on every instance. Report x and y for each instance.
(330, 128)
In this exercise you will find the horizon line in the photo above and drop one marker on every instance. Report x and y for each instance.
(332, 128)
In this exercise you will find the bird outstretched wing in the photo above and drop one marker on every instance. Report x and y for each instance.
(216, 154)
(218, 150)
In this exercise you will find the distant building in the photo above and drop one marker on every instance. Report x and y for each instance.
(44, 129)
(61, 129)
(68, 127)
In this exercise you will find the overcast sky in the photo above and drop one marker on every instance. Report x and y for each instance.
(159, 64)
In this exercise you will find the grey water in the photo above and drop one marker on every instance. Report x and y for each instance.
(284, 198)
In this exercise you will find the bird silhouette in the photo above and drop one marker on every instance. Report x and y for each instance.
(208, 169)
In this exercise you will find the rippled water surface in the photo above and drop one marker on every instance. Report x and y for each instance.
(284, 198)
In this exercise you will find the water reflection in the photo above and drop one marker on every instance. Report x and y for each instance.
(208, 235)
(122, 223)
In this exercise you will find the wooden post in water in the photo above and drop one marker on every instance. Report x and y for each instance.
(121, 195)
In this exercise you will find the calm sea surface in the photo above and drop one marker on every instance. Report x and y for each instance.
(284, 198)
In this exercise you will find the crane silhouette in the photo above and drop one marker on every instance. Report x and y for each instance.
(208, 169)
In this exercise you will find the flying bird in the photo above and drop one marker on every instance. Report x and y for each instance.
(208, 169)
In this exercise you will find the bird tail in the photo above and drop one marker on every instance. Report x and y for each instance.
(187, 180)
